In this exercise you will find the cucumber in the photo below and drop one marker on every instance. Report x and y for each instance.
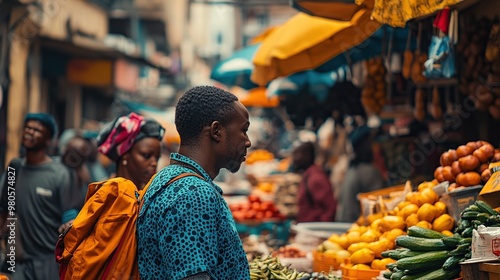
(417, 231)
(420, 243)
(467, 240)
(386, 254)
(423, 261)
(483, 217)
(387, 274)
(461, 250)
(469, 215)
(472, 207)
(440, 274)
(485, 207)
(397, 275)
(467, 232)
(452, 262)
(452, 241)
(493, 220)
(391, 266)
(417, 275)
(409, 253)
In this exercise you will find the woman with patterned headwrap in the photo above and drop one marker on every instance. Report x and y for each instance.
(101, 243)
(134, 144)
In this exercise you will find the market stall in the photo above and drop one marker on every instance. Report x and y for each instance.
(432, 230)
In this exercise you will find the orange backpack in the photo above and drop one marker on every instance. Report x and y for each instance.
(101, 243)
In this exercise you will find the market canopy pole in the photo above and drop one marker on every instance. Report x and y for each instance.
(305, 42)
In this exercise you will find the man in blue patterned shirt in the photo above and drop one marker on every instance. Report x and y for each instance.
(186, 230)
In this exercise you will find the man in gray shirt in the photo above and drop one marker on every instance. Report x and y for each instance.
(37, 191)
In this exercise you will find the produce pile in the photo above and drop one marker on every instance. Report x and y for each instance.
(428, 254)
(254, 209)
(363, 245)
(270, 268)
(467, 165)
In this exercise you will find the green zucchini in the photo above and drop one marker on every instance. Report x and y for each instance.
(472, 207)
(409, 253)
(469, 215)
(397, 275)
(417, 275)
(420, 243)
(460, 250)
(483, 217)
(452, 241)
(452, 262)
(387, 274)
(467, 232)
(423, 261)
(467, 240)
(417, 231)
(440, 274)
(485, 207)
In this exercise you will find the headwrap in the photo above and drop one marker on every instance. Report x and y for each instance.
(47, 120)
(118, 137)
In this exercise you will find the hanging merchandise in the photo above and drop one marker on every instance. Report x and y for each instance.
(492, 52)
(441, 62)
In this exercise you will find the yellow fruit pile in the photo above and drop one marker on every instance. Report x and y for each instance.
(259, 155)
(365, 244)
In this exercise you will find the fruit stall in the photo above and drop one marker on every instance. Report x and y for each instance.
(431, 230)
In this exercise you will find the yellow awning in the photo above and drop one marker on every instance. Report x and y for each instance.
(396, 12)
(304, 42)
(256, 97)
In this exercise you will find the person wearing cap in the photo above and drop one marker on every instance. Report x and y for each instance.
(316, 202)
(43, 200)
(133, 142)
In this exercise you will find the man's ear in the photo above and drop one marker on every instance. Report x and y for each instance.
(215, 131)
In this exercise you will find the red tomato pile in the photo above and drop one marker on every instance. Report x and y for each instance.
(255, 209)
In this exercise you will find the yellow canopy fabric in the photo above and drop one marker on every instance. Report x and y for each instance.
(397, 12)
(256, 97)
(304, 42)
(263, 35)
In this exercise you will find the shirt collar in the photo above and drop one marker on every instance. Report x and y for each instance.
(196, 166)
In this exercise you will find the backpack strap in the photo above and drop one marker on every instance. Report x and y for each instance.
(180, 176)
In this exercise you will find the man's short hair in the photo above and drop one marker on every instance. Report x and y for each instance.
(47, 121)
(199, 107)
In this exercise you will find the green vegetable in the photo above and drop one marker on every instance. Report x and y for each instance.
(417, 231)
(485, 207)
(423, 261)
(420, 243)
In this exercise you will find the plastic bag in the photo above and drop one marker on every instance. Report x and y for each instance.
(441, 62)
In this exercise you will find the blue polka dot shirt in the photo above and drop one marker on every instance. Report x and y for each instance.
(187, 228)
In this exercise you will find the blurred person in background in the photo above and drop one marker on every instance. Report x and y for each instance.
(44, 200)
(316, 202)
(362, 175)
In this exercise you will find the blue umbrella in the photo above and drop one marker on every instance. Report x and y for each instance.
(371, 47)
(236, 69)
(313, 82)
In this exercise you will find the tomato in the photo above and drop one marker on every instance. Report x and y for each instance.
(253, 198)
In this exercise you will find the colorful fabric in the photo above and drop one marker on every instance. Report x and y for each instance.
(187, 228)
(118, 137)
(396, 12)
